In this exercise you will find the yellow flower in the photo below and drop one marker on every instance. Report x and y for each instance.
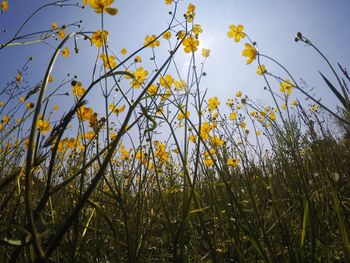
(140, 75)
(197, 29)
(236, 32)
(21, 99)
(238, 94)
(19, 77)
(4, 6)
(137, 59)
(286, 87)
(180, 84)
(233, 116)
(2, 104)
(314, 107)
(113, 108)
(205, 129)
(124, 153)
(190, 14)
(232, 162)
(51, 79)
(167, 35)
(61, 34)
(213, 103)
(84, 114)
(181, 115)
(217, 141)
(152, 90)
(272, 116)
(108, 62)
(258, 133)
(54, 26)
(261, 70)
(149, 39)
(43, 126)
(168, 2)
(190, 44)
(294, 103)
(123, 51)
(181, 34)
(101, 6)
(205, 52)
(55, 107)
(284, 106)
(78, 90)
(99, 38)
(166, 81)
(249, 52)
(5, 119)
(192, 138)
(208, 162)
(243, 125)
(65, 52)
(30, 105)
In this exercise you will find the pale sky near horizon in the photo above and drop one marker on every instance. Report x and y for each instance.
(272, 24)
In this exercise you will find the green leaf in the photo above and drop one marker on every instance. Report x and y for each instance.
(198, 210)
(305, 223)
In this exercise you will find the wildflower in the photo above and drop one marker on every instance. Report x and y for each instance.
(261, 70)
(151, 41)
(113, 108)
(140, 75)
(258, 133)
(205, 129)
(137, 59)
(124, 153)
(2, 104)
(167, 35)
(286, 87)
(101, 6)
(213, 103)
(19, 77)
(233, 116)
(236, 32)
(272, 116)
(166, 81)
(65, 52)
(217, 141)
(181, 115)
(78, 90)
(181, 34)
(160, 152)
(243, 125)
(190, 44)
(61, 34)
(284, 106)
(168, 2)
(249, 52)
(192, 138)
(190, 14)
(232, 162)
(123, 51)
(180, 84)
(5, 119)
(108, 62)
(314, 108)
(84, 113)
(22, 99)
(55, 107)
(208, 162)
(30, 105)
(197, 29)
(51, 79)
(205, 52)
(54, 26)
(238, 94)
(152, 90)
(294, 102)
(99, 38)
(43, 126)
(93, 122)
(4, 6)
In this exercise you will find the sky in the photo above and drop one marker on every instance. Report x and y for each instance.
(273, 24)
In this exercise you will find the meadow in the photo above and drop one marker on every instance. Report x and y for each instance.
(161, 172)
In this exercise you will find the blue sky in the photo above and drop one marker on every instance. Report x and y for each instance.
(272, 24)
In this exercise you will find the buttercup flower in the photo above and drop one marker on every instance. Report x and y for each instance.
(286, 87)
(205, 52)
(65, 52)
(101, 6)
(236, 32)
(190, 44)
(149, 39)
(261, 70)
(99, 38)
(4, 6)
(213, 103)
(249, 52)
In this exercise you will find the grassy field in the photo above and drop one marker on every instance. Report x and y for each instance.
(165, 174)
